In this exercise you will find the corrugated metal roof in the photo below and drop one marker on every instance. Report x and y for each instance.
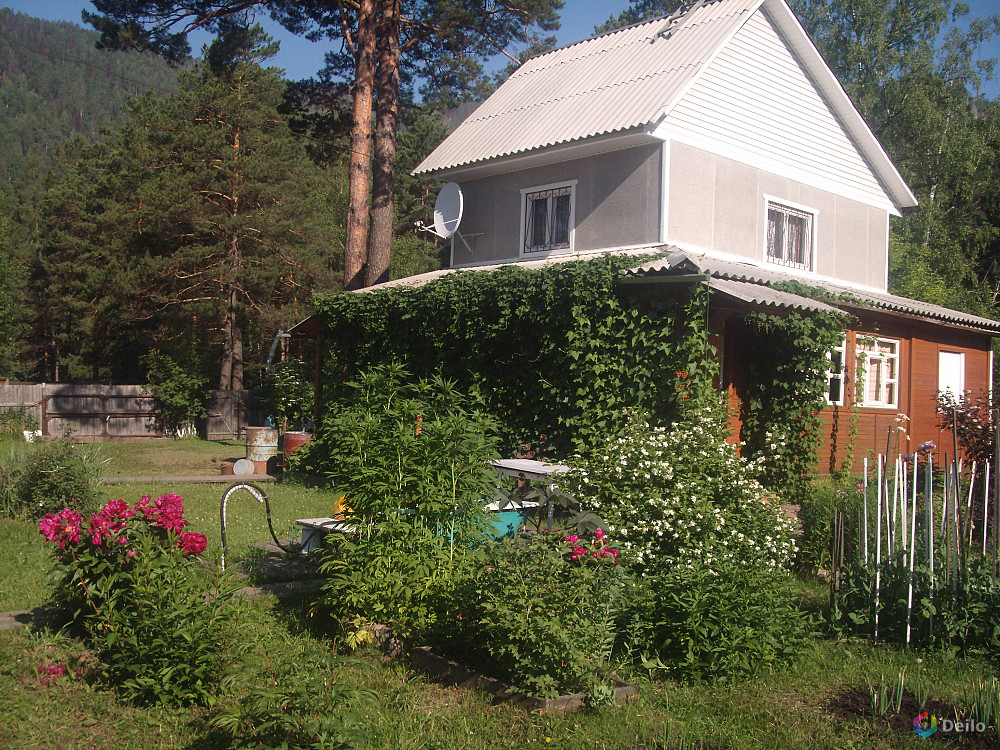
(424, 278)
(682, 261)
(765, 296)
(608, 84)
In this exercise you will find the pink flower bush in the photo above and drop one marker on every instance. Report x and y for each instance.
(597, 550)
(62, 528)
(109, 528)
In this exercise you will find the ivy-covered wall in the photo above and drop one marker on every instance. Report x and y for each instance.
(559, 354)
(556, 353)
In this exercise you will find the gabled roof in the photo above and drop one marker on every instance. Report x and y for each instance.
(626, 82)
(751, 281)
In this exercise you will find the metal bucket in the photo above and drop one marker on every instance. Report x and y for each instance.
(292, 441)
(262, 447)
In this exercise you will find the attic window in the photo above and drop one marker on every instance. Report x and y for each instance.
(790, 235)
(547, 218)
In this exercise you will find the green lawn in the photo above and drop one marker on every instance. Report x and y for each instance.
(160, 458)
(26, 559)
(822, 701)
(804, 706)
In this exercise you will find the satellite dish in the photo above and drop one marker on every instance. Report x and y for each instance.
(448, 210)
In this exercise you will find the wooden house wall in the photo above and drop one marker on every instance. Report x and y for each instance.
(919, 346)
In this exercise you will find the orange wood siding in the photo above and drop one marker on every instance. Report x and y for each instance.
(919, 346)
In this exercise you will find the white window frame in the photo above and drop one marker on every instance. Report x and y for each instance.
(790, 208)
(866, 369)
(841, 376)
(526, 198)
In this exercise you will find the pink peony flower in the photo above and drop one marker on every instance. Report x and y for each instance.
(192, 543)
(170, 512)
(573, 539)
(599, 535)
(61, 528)
(148, 510)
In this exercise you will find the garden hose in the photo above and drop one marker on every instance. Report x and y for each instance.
(257, 493)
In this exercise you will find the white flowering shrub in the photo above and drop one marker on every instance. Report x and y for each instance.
(681, 494)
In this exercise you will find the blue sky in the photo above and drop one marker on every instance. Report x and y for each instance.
(301, 58)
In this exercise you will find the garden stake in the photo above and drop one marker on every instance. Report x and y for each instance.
(865, 497)
(968, 507)
(929, 511)
(986, 504)
(996, 495)
(913, 548)
(903, 495)
(953, 535)
(878, 545)
(944, 505)
(895, 503)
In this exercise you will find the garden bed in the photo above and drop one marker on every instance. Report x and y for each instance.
(453, 673)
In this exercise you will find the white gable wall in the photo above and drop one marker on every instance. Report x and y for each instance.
(755, 104)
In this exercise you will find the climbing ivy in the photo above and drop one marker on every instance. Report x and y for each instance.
(557, 353)
(786, 387)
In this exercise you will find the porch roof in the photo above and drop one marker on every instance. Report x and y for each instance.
(749, 275)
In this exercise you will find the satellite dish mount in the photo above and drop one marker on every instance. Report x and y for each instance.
(448, 210)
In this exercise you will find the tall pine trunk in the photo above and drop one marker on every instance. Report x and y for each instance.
(231, 375)
(386, 125)
(359, 171)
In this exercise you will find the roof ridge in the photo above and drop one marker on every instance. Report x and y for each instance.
(674, 20)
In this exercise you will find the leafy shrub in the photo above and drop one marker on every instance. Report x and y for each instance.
(421, 447)
(398, 573)
(721, 621)
(131, 583)
(816, 516)
(15, 421)
(57, 475)
(180, 396)
(287, 394)
(973, 415)
(542, 611)
(678, 494)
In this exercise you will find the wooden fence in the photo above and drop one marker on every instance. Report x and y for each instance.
(97, 413)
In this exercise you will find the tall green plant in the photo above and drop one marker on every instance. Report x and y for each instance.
(412, 459)
(180, 394)
(287, 394)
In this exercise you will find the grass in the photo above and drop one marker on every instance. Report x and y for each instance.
(26, 559)
(179, 458)
(819, 702)
(793, 707)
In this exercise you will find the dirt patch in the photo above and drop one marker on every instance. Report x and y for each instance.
(854, 704)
